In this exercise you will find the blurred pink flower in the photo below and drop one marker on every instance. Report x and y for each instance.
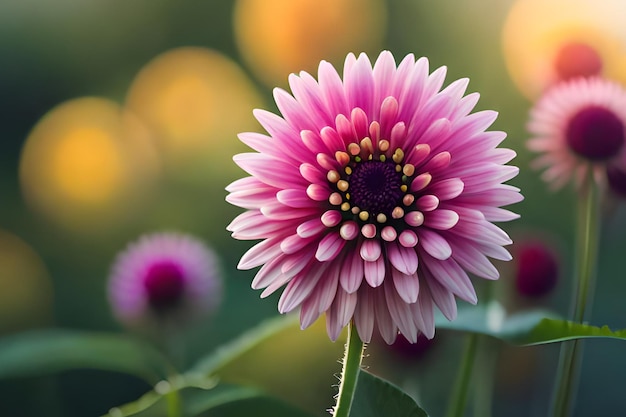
(578, 126)
(164, 277)
(373, 196)
(537, 267)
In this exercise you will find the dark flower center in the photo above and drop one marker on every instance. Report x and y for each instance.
(375, 187)
(164, 284)
(577, 60)
(595, 133)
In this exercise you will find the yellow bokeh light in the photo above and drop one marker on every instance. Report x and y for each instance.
(278, 37)
(536, 32)
(196, 101)
(87, 164)
(26, 296)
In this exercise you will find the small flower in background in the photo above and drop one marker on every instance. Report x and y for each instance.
(164, 278)
(550, 41)
(373, 196)
(536, 267)
(578, 126)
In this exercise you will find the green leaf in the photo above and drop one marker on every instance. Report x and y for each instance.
(42, 352)
(245, 343)
(532, 327)
(275, 357)
(375, 397)
(550, 331)
(220, 401)
(241, 402)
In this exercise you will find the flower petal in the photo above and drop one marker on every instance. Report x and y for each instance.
(407, 286)
(434, 244)
(403, 259)
(374, 272)
(329, 247)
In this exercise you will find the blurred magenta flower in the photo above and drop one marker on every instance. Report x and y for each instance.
(537, 268)
(164, 278)
(373, 196)
(578, 126)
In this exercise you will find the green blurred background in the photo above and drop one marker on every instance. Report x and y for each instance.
(62, 220)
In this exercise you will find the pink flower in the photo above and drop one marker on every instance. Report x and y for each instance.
(578, 127)
(373, 197)
(164, 277)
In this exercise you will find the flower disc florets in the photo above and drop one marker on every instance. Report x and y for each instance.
(373, 197)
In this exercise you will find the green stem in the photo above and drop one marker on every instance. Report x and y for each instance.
(587, 247)
(174, 405)
(461, 386)
(486, 361)
(350, 373)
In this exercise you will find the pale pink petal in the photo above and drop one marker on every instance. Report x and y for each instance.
(340, 313)
(296, 198)
(352, 272)
(374, 272)
(260, 253)
(329, 247)
(386, 326)
(403, 259)
(443, 298)
(423, 312)
(370, 250)
(400, 313)
(434, 244)
(407, 286)
(452, 277)
(441, 219)
(364, 315)
(299, 288)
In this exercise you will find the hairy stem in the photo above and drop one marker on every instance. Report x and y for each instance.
(350, 373)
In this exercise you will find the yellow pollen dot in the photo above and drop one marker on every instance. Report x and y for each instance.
(398, 168)
(383, 145)
(347, 196)
(333, 176)
(408, 199)
(342, 157)
(348, 170)
(342, 185)
(364, 215)
(345, 206)
(354, 149)
(408, 170)
(355, 210)
(381, 218)
(383, 158)
(335, 199)
(404, 187)
(398, 156)
(397, 213)
(369, 158)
